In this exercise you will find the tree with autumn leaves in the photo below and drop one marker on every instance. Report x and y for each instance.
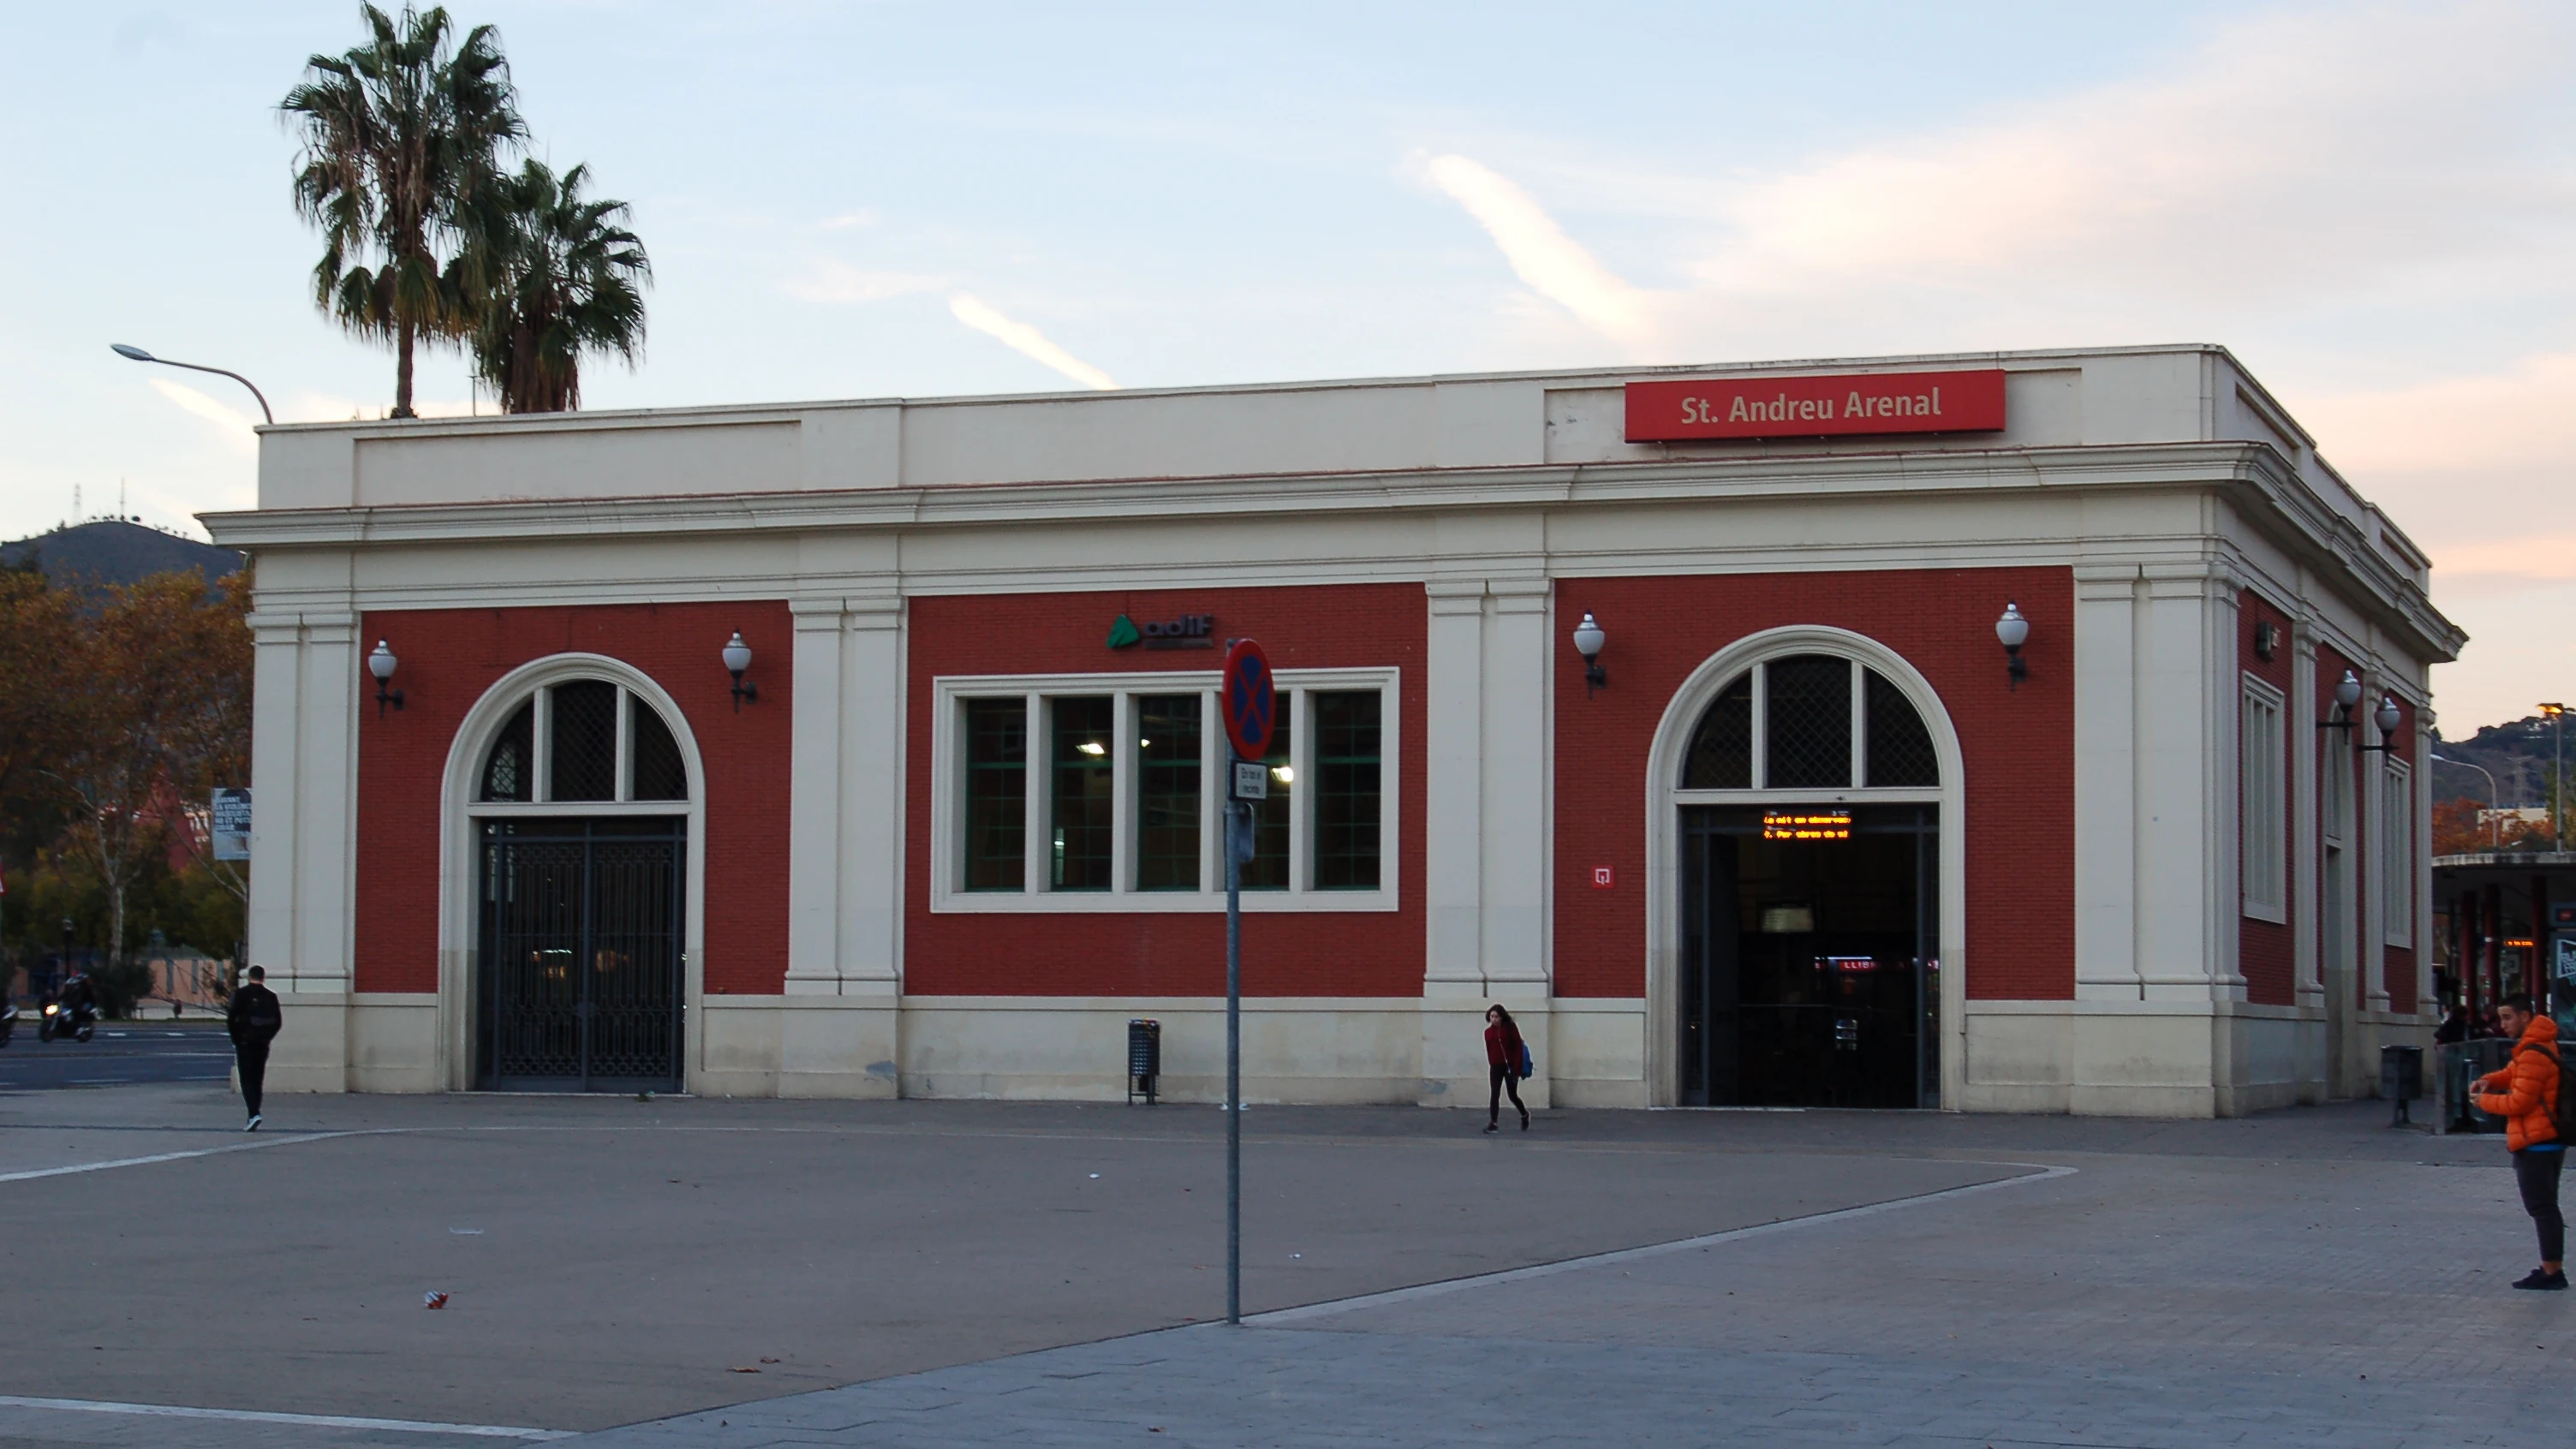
(121, 709)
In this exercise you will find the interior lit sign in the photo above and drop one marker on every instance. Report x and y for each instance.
(1806, 825)
(1807, 407)
(1850, 963)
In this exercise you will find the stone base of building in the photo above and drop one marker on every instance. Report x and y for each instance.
(2088, 1058)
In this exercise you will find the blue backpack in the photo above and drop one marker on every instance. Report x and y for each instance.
(1529, 1064)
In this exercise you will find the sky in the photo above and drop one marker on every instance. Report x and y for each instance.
(2374, 206)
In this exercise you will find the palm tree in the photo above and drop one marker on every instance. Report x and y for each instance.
(398, 133)
(549, 274)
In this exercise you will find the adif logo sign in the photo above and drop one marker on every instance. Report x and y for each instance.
(1186, 631)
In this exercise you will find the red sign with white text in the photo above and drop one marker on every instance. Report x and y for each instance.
(1806, 407)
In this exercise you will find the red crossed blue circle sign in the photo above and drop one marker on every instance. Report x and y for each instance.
(1251, 706)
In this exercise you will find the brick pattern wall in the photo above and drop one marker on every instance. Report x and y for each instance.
(450, 657)
(2018, 744)
(1360, 953)
(2267, 951)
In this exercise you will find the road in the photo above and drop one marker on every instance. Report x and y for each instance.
(123, 1053)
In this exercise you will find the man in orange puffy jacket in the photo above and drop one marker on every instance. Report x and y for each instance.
(2525, 1095)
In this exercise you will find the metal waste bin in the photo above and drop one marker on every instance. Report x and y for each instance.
(2459, 1064)
(2401, 1079)
(1144, 1059)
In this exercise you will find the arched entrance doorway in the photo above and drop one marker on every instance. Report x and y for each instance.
(576, 832)
(1805, 804)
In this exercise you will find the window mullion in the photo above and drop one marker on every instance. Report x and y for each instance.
(1301, 792)
(1859, 728)
(541, 748)
(1038, 779)
(1761, 726)
(1125, 781)
(1215, 756)
(622, 755)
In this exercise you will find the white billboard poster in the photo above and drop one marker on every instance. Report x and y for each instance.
(231, 828)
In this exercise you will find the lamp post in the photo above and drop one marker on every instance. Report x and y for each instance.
(133, 353)
(2557, 714)
(2495, 821)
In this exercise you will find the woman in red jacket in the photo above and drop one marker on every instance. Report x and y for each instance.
(1503, 1058)
(2525, 1095)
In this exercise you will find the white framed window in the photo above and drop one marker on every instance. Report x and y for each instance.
(2263, 803)
(590, 743)
(2397, 852)
(1104, 792)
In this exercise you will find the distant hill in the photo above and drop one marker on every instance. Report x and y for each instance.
(111, 551)
(2517, 753)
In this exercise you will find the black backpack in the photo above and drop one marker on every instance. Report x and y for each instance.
(2562, 1113)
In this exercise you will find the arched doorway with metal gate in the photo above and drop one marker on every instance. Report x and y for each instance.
(578, 845)
(1804, 880)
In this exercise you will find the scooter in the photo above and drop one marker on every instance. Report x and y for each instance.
(77, 1023)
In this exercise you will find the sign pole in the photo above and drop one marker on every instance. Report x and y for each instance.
(1251, 704)
(1233, 1055)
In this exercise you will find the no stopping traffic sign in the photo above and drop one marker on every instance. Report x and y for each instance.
(1251, 706)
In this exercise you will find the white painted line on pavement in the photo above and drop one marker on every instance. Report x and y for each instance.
(249, 1416)
(1279, 1316)
(251, 1146)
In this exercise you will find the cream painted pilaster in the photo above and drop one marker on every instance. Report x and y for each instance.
(1454, 761)
(303, 846)
(2307, 867)
(2182, 753)
(1512, 920)
(2107, 783)
(814, 802)
(836, 1021)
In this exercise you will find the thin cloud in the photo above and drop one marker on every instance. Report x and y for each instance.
(832, 281)
(1027, 341)
(237, 427)
(1551, 263)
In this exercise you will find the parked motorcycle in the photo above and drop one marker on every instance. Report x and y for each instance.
(78, 1022)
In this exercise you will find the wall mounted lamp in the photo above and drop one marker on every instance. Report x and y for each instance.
(382, 664)
(2267, 638)
(1589, 640)
(737, 659)
(2012, 631)
(2387, 718)
(2347, 694)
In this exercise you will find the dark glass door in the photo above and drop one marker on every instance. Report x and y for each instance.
(1810, 970)
(578, 979)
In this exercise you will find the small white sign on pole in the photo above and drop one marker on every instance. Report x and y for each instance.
(1251, 780)
(230, 828)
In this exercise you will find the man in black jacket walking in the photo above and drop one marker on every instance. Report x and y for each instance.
(253, 1022)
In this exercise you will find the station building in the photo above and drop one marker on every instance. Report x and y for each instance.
(870, 748)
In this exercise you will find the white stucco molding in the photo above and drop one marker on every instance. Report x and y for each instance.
(1664, 798)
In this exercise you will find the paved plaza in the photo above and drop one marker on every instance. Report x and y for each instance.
(681, 1272)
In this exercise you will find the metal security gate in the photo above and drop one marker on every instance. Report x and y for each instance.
(578, 980)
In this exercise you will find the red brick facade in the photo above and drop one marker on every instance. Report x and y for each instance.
(2267, 951)
(451, 657)
(1077, 953)
(2019, 746)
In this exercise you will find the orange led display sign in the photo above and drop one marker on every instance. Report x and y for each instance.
(1806, 825)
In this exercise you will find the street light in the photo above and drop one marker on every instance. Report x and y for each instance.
(2557, 714)
(2495, 818)
(133, 353)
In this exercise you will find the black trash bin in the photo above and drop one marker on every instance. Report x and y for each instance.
(2401, 1079)
(1144, 1059)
